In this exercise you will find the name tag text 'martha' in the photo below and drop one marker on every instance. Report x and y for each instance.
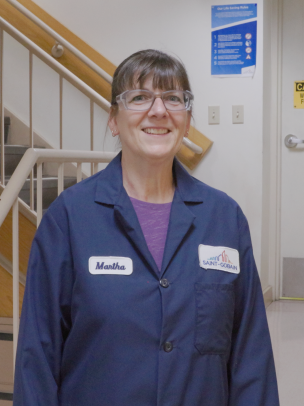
(110, 266)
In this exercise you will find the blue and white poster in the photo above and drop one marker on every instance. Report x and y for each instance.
(233, 40)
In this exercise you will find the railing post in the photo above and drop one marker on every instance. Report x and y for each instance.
(31, 126)
(60, 110)
(92, 131)
(2, 170)
(31, 98)
(15, 233)
(39, 193)
(60, 178)
(79, 172)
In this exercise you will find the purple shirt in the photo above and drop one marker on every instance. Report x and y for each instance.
(154, 220)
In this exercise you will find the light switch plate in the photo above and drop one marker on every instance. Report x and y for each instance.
(237, 114)
(213, 114)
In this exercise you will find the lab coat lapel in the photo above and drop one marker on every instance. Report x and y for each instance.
(110, 191)
(181, 220)
(126, 215)
(181, 217)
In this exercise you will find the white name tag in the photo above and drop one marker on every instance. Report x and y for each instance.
(220, 258)
(110, 265)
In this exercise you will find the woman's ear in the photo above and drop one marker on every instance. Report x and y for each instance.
(188, 125)
(112, 123)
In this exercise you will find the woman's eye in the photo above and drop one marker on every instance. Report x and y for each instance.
(139, 98)
(173, 99)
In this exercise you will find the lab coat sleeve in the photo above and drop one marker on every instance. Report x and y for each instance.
(45, 319)
(252, 376)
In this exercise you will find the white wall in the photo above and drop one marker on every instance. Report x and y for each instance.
(118, 28)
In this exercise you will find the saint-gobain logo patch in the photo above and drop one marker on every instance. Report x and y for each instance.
(110, 265)
(220, 258)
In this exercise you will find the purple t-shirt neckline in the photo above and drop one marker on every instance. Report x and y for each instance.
(154, 221)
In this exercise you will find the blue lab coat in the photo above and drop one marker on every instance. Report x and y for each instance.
(186, 336)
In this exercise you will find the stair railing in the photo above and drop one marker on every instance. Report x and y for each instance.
(61, 42)
(9, 199)
(63, 74)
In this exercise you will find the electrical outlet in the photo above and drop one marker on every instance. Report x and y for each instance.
(213, 114)
(237, 114)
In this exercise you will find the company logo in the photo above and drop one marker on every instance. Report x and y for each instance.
(220, 258)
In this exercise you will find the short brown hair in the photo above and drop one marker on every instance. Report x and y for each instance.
(168, 73)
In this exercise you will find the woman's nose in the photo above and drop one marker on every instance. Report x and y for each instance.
(158, 108)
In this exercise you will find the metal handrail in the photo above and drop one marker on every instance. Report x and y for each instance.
(50, 61)
(189, 144)
(61, 40)
(9, 199)
(36, 155)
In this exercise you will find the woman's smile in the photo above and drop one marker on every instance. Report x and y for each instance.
(156, 130)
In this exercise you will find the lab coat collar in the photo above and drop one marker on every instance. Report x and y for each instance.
(110, 187)
(110, 191)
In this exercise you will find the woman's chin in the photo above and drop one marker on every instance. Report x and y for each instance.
(158, 152)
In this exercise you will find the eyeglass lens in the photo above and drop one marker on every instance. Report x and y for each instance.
(142, 99)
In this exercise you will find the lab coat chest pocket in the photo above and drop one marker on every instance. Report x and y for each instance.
(214, 317)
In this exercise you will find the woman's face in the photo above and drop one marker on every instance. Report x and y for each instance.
(155, 134)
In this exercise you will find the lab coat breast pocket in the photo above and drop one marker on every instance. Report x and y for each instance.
(214, 317)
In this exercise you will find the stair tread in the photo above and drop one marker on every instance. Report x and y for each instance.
(6, 362)
(17, 149)
(6, 336)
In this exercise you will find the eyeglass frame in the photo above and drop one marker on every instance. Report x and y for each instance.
(120, 98)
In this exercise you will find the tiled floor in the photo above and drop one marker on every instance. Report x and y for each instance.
(286, 323)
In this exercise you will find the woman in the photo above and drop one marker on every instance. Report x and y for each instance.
(142, 288)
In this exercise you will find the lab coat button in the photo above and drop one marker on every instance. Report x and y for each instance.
(168, 346)
(164, 283)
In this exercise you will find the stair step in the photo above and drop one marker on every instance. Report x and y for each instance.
(6, 370)
(6, 337)
(50, 189)
(51, 182)
(6, 326)
(13, 155)
(6, 397)
(6, 361)
(7, 123)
